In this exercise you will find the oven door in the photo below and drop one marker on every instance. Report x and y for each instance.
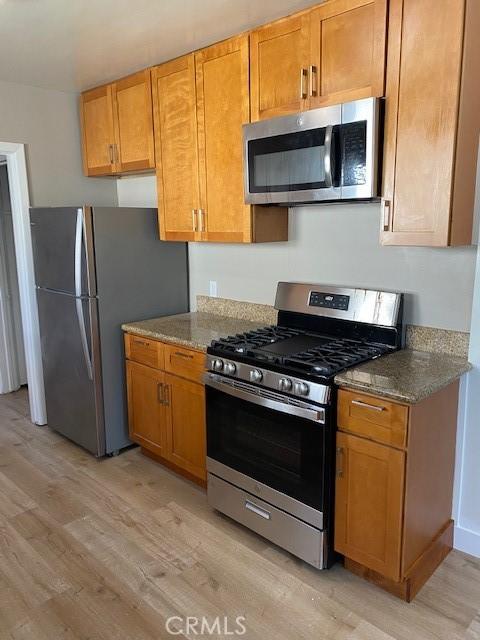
(262, 436)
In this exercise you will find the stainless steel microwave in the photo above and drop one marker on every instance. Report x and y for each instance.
(326, 154)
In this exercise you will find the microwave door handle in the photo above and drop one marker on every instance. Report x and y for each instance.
(328, 156)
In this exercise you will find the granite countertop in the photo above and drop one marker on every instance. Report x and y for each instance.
(195, 330)
(405, 376)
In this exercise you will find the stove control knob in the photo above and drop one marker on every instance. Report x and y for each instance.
(229, 368)
(217, 365)
(301, 389)
(256, 375)
(285, 384)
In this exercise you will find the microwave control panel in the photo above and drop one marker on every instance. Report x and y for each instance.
(353, 139)
(329, 301)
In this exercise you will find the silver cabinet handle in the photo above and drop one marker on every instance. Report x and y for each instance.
(166, 395)
(386, 214)
(160, 393)
(251, 506)
(328, 156)
(365, 405)
(78, 292)
(183, 355)
(144, 343)
(303, 76)
(312, 88)
(339, 466)
(194, 219)
(200, 219)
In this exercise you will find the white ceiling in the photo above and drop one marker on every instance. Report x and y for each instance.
(71, 45)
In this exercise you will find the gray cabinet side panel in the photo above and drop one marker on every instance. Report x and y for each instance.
(138, 277)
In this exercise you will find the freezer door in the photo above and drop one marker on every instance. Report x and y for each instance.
(62, 241)
(71, 368)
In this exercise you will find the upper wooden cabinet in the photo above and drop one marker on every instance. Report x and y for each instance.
(133, 119)
(279, 58)
(347, 51)
(200, 104)
(117, 127)
(96, 117)
(333, 53)
(175, 117)
(223, 105)
(432, 122)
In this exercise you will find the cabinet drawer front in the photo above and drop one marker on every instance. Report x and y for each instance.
(373, 418)
(185, 363)
(144, 350)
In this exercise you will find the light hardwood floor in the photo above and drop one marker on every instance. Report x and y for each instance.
(110, 549)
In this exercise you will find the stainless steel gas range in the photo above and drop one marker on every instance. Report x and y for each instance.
(271, 410)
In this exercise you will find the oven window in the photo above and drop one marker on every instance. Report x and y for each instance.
(282, 451)
(289, 162)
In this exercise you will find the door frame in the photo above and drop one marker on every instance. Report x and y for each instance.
(20, 202)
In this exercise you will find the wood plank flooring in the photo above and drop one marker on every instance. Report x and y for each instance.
(111, 549)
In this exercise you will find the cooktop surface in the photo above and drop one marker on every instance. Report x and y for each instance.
(298, 350)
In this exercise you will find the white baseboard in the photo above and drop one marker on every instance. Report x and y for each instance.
(467, 541)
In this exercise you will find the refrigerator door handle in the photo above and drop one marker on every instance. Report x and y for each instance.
(78, 292)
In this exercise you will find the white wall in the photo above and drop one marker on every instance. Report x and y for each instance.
(467, 477)
(335, 244)
(48, 123)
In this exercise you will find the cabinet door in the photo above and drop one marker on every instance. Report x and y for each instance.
(369, 504)
(174, 99)
(347, 44)
(222, 107)
(133, 118)
(423, 84)
(187, 431)
(147, 417)
(96, 117)
(279, 58)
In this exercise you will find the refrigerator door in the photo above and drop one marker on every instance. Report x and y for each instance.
(138, 277)
(71, 367)
(62, 241)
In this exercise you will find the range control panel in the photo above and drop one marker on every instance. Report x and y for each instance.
(329, 300)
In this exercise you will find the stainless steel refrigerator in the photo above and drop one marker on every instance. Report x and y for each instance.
(96, 268)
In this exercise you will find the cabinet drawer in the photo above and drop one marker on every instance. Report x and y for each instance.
(185, 363)
(374, 418)
(144, 350)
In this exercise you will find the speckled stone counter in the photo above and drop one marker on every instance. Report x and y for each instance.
(195, 330)
(405, 376)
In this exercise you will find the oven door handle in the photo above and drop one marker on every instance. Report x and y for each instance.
(315, 415)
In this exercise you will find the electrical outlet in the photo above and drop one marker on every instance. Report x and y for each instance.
(213, 288)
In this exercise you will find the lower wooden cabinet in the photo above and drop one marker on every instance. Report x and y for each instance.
(369, 503)
(166, 408)
(186, 418)
(147, 416)
(394, 487)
